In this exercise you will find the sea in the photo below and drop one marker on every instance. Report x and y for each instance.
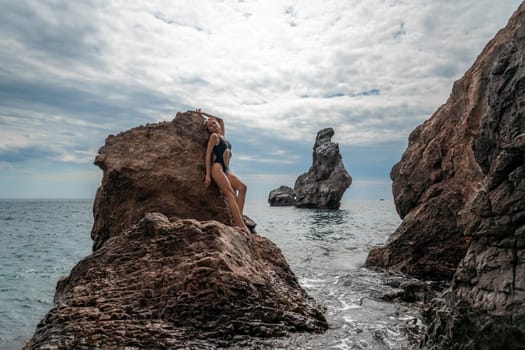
(41, 240)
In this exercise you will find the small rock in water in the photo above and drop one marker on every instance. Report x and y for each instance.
(281, 197)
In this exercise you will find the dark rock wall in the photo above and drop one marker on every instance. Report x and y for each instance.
(485, 307)
(460, 189)
(446, 161)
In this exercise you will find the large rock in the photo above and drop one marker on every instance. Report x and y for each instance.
(460, 189)
(326, 181)
(182, 283)
(282, 196)
(155, 168)
(437, 174)
(162, 274)
(485, 308)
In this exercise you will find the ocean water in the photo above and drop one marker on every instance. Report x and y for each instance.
(42, 240)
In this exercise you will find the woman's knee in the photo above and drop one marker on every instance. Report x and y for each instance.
(238, 184)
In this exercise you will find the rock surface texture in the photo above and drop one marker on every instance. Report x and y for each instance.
(326, 181)
(281, 197)
(165, 280)
(155, 168)
(460, 189)
(183, 283)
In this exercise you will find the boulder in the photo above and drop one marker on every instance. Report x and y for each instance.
(168, 270)
(177, 283)
(282, 196)
(155, 168)
(460, 189)
(326, 181)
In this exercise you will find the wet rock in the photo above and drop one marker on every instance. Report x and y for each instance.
(177, 284)
(460, 189)
(326, 181)
(249, 223)
(281, 197)
(411, 290)
(155, 168)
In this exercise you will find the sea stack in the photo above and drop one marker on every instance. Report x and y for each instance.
(460, 189)
(168, 271)
(326, 181)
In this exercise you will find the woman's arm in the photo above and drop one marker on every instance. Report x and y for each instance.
(211, 143)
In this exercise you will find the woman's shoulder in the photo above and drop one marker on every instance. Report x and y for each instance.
(214, 137)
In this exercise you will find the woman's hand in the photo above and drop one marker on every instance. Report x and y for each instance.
(207, 181)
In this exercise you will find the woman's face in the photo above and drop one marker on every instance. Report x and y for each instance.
(213, 125)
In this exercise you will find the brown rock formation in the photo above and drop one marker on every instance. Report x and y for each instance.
(179, 284)
(460, 189)
(155, 168)
(485, 307)
(435, 177)
(446, 159)
(183, 282)
(326, 181)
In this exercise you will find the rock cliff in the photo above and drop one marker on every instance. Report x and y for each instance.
(460, 189)
(170, 278)
(326, 181)
(485, 307)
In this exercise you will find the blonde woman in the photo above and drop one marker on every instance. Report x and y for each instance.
(218, 155)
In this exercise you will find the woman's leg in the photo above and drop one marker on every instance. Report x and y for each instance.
(238, 185)
(223, 182)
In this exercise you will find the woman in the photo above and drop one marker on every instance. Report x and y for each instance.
(218, 154)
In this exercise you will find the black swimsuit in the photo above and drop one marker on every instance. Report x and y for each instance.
(219, 150)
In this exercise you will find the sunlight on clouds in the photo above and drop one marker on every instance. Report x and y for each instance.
(253, 61)
(276, 71)
(74, 156)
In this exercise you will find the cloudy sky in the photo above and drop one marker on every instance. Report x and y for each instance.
(73, 72)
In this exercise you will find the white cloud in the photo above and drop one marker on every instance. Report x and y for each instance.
(93, 175)
(6, 166)
(267, 160)
(78, 71)
(271, 179)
